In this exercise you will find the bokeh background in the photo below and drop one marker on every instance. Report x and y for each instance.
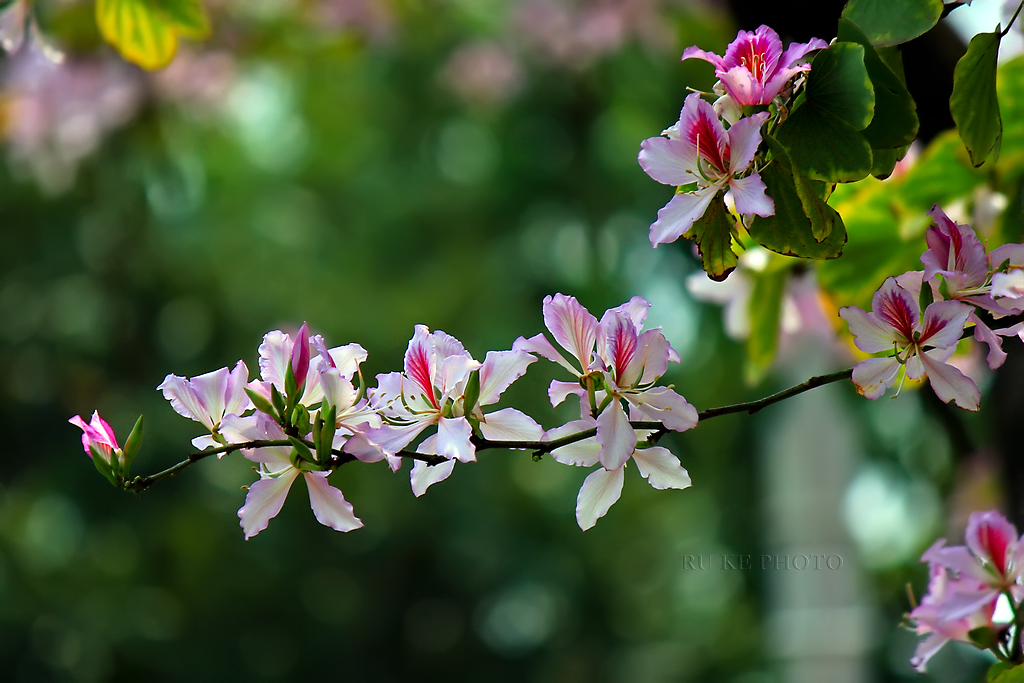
(367, 165)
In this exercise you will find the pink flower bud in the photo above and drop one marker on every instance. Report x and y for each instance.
(300, 356)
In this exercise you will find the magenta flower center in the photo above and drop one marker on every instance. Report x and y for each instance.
(895, 311)
(752, 57)
(702, 134)
(995, 543)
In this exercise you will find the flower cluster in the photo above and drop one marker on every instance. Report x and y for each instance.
(966, 583)
(960, 278)
(305, 416)
(703, 158)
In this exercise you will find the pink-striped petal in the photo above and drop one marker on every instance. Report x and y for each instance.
(572, 326)
(664, 405)
(670, 162)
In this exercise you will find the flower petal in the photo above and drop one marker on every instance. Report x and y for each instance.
(874, 375)
(664, 405)
(870, 334)
(660, 468)
(744, 138)
(453, 439)
(424, 476)
(950, 384)
(539, 344)
(499, 370)
(748, 194)
(329, 505)
(263, 501)
(599, 491)
(670, 162)
(615, 436)
(572, 326)
(510, 424)
(677, 217)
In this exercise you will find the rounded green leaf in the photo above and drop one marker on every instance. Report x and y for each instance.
(886, 22)
(895, 121)
(823, 133)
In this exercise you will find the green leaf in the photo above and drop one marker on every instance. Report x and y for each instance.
(132, 445)
(823, 132)
(890, 23)
(146, 32)
(765, 311)
(895, 120)
(713, 234)
(1011, 675)
(996, 669)
(974, 104)
(801, 215)
(187, 16)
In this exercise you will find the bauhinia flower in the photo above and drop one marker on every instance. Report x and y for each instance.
(931, 617)
(754, 69)
(966, 583)
(436, 389)
(208, 398)
(616, 364)
(918, 347)
(698, 150)
(279, 467)
(602, 487)
(958, 267)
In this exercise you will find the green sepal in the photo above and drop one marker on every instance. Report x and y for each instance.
(983, 636)
(262, 404)
(291, 387)
(472, 393)
(713, 234)
(889, 23)
(103, 466)
(278, 401)
(300, 448)
(974, 104)
(300, 419)
(325, 444)
(925, 299)
(132, 446)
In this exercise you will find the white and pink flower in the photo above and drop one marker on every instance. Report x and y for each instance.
(208, 398)
(920, 347)
(699, 150)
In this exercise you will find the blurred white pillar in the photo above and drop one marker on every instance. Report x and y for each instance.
(819, 618)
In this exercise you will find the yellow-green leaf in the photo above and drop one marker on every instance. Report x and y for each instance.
(146, 31)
